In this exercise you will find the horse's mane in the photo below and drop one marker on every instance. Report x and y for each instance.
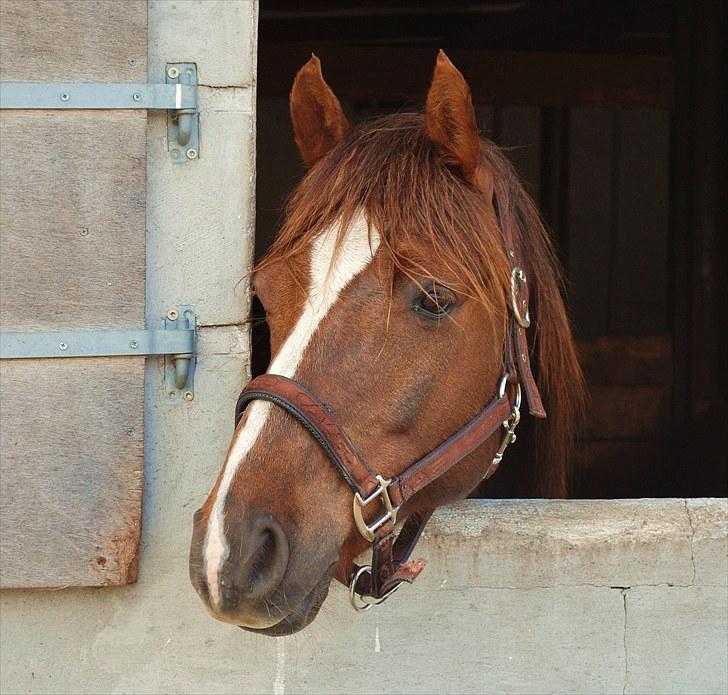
(391, 170)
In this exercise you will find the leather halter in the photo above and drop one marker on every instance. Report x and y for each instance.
(390, 565)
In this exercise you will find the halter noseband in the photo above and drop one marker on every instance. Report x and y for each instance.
(390, 566)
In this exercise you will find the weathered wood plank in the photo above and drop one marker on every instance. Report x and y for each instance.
(72, 212)
(70, 471)
(72, 256)
(73, 41)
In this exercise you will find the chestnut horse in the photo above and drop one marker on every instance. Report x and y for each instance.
(389, 295)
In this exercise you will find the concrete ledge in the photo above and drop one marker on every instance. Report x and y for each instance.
(546, 543)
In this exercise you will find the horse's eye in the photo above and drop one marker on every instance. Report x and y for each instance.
(436, 303)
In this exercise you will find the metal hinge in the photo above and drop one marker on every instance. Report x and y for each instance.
(176, 340)
(177, 96)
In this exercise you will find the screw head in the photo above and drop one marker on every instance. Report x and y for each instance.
(63, 346)
(136, 96)
(172, 394)
(173, 73)
(191, 153)
(83, 231)
(133, 344)
(172, 314)
(189, 396)
(132, 62)
(65, 96)
(130, 431)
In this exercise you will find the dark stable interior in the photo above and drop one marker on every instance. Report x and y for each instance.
(610, 111)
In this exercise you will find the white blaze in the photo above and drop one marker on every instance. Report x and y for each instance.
(328, 276)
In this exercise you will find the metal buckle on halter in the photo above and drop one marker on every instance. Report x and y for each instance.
(365, 529)
(363, 604)
(518, 275)
(510, 424)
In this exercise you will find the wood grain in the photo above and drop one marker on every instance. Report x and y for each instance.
(72, 256)
(62, 173)
(70, 471)
(73, 41)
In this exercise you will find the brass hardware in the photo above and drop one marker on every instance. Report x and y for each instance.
(390, 511)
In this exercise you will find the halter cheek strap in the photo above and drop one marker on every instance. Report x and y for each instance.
(378, 500)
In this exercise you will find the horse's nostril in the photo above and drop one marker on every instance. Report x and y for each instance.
(261, 562)
(267, 558)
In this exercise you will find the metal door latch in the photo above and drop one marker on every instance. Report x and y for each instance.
(177, 95)
(179, 367)
(176, 340)
(183, 124)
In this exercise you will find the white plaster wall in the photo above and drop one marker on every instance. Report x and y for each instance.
(518, 597)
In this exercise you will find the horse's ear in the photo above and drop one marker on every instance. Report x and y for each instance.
(319, 123)
(450, 123)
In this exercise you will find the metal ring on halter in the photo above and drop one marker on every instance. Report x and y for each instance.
(363, 605)
(518, 275)
(502, 391)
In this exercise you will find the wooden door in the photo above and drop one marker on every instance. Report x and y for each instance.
(72, 257)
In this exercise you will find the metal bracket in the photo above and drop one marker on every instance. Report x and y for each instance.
(183, 124)
(177, 96)
(177, 341)
(179, 367)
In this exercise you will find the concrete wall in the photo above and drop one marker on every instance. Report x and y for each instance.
(623, 596)
(537, 597)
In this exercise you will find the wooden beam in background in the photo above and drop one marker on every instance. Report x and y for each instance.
(402, 73)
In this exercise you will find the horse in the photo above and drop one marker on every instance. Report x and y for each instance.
(398, 291)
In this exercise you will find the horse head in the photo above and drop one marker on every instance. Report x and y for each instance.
(390, 295)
